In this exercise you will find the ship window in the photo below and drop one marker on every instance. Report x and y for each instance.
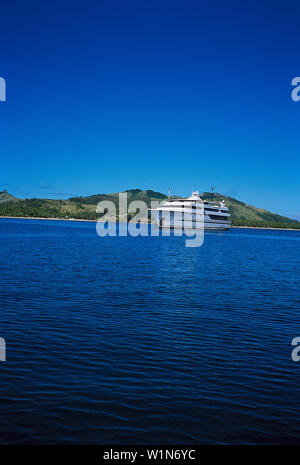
(218, 217)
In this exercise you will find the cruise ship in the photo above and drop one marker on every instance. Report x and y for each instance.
(191, 213)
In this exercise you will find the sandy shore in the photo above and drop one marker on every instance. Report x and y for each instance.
(41, 218)
(258, 227)
(95, 221)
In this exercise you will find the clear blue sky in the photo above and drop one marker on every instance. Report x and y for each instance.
(104, 96)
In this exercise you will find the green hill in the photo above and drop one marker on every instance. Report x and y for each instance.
(6, 197)
(242, 214)
(75, 207)
(132, 194)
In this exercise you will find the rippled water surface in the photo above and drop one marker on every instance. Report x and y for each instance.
(142, 340)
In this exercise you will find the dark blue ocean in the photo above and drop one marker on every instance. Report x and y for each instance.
(124, 340)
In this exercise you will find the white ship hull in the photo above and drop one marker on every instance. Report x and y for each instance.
(175, 219)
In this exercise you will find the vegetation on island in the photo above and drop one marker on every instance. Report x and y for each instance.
(242, 214)
(85, 208)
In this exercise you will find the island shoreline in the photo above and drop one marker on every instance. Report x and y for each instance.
(95, 221)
